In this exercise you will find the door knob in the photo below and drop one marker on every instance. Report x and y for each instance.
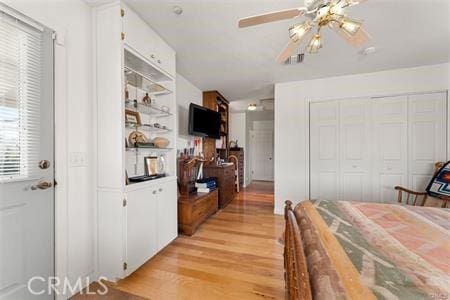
(42, 185)
(44, 164)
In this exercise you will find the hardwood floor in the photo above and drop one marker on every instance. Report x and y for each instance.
(234, 255)
(261, 191)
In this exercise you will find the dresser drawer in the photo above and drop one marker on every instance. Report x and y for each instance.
(202, 208)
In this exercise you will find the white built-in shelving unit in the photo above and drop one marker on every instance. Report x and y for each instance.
(135, 220)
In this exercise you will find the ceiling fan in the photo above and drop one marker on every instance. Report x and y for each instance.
(320, 14)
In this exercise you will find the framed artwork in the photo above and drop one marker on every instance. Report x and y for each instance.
(132, 117)
(151, 165)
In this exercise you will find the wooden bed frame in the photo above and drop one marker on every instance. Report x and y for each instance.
(296, 271)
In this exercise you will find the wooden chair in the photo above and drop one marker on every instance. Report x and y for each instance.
(296, 271)
(418, 198)
(235, 161)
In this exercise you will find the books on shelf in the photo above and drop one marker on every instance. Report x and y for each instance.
(205, 185)
(200, 190)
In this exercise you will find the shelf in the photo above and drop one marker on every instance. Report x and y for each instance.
(147, 109)
(137, 149)
(149, 183)
(142, 82)
(147, 127)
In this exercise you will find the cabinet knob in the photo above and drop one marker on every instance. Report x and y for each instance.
(152, 56)
(159, 61)
(160, 189)
(154, 192)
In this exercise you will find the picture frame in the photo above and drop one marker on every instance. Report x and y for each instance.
(151, 165)
(132, 117)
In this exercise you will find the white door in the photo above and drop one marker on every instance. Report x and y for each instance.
(26, 160)
(141, 222)
(355, 139)
(427, 133)
(167, 214)
(262, 154)
(389, 146)
(324, 150)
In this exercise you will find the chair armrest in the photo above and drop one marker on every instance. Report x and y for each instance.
(399, 188)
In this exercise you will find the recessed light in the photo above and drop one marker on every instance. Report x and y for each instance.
(178, 10)
(251, 107)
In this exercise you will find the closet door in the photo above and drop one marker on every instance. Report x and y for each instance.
(355, 140)
(427, 134)
(324, 152)
(389, 147)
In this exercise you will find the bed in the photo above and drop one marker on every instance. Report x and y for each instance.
(355, 250)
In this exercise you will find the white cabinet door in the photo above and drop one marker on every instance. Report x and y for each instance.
(427, 114)
(389, 144)
(166, 57)
(355, 150)
(138, 34)
(324, 151)
(141, 38)
(141, 227)
(167, 227)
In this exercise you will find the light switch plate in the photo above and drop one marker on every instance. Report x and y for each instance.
(78, 159)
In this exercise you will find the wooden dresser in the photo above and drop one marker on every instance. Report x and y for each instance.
(194, 209)
(225, 181)
(239, 153)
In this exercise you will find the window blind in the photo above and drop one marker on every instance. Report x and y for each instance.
(21, 60)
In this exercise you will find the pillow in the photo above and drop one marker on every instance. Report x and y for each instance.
(439, 185)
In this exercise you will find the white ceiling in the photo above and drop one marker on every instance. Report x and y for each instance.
(214, 54)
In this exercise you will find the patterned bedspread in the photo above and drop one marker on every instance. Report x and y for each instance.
(371, 250)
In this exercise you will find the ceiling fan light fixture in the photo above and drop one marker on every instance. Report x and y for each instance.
(297, 32)
(350, 26)
(314, 45)
(251, 107)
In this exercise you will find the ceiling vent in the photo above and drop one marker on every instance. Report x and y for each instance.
(295, 59)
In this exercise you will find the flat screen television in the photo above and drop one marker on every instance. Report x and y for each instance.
(204, 122)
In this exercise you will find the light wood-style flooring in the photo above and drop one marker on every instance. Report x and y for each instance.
(234, 255)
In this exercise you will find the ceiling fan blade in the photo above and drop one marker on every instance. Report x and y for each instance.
(287, 51)
(359, 39)
(271, 17)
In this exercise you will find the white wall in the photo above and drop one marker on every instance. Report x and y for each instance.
(238, 131)
(75, 202)
(186, 93)
(291, 116)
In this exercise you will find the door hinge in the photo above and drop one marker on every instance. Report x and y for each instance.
(124, 202)
(122, 12)
(122, 35)
(125, 265)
